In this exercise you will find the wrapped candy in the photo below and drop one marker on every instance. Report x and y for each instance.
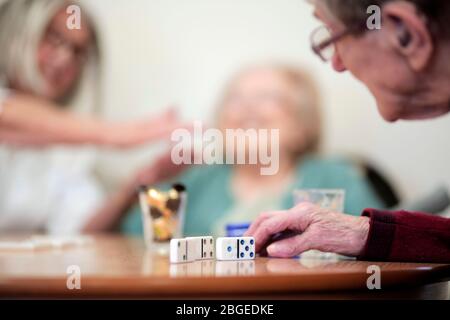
(162, 213)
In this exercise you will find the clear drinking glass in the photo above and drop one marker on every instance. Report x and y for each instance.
(162, 215)
(330, 199)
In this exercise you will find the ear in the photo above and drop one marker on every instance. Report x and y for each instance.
(408, 33)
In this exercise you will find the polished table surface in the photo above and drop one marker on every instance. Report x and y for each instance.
(119, 267)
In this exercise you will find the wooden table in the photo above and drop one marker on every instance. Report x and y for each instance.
(118, 267)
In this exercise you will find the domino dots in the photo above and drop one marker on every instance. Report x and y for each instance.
(203, 247)
(181, 251)
(241, 248)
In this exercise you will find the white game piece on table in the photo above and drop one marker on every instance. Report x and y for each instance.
(182, 250)
(59, 242)
(12, 246)
(42, 244)
(203, 246)
(63, 242)
(238, 248)
(53, 242)
(83, 240)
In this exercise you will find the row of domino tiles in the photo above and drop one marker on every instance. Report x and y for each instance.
(202, 248)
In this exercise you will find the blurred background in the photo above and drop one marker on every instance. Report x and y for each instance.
(160, 53)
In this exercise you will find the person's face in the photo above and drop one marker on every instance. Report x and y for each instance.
(393, 74)
(61, 55)
(264, 99)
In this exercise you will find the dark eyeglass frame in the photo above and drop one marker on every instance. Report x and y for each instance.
(55, 39)
(318, 48)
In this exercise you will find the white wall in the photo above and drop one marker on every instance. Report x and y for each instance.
(161, 52)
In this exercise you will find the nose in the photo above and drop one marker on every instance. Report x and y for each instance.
(63, 57)
(337, 63)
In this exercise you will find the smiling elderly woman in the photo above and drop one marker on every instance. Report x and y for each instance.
(264, 97)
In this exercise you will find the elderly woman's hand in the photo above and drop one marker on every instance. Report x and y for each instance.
(314, 228)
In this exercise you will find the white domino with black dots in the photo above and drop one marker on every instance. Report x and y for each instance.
(191, 249)
(240, 248)
(203, 247)
(181, 251)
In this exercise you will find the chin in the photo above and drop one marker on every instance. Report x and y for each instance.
(393, 110)
(57, 94)
(391, 119)
(390, 116)
(52, 96)
(47, 94)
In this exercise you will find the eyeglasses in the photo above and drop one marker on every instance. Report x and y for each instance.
(323, 42)
(80, 54)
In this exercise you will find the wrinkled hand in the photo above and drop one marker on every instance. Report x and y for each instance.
(314, 228)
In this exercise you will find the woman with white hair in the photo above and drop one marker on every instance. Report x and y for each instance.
(261, 97)
(49, 85)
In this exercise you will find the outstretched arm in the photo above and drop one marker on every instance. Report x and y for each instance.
(29, 121)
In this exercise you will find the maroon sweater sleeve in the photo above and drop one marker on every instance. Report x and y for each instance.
(406, 237)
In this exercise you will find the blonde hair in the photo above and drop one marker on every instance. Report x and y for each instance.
(22, 24)
(22, 27)
(307, 102)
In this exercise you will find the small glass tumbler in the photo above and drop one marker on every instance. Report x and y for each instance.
(330, 199)
(162, 216)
